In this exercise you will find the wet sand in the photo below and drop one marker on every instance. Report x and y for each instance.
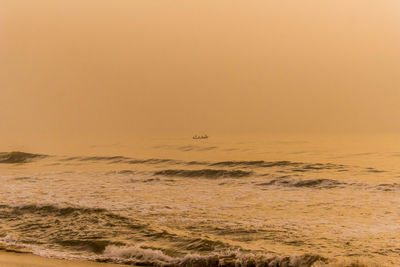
(11, 259)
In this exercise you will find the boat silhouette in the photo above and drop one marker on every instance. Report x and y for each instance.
(200, 136)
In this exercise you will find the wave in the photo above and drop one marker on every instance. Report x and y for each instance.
(115, 159)
(207, 173)
(122, 159)
(309, 183)
(252, 164)
(90, 234)
(51, 216)
(266, 164)
(203, 244)
(388, 187)
(87, 230)
(256, 163)
(18, 157)
(51, 209)
(96, 246)
(146, 256)
(134, 255)
(373, 170)
(196, 148)
(152, 161)
(155, 257)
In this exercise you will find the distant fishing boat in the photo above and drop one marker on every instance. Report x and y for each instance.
(200, 136)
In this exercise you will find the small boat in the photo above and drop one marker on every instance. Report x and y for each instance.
(200, 136)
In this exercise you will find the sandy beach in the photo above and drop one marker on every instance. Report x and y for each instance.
(12, 259)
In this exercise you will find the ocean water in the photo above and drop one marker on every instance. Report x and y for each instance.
(238, 201)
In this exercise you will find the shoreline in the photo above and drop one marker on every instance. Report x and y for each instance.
(15, 259)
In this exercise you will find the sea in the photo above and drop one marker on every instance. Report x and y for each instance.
(229, 200)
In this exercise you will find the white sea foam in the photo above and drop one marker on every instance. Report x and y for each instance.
(221, 258)
(136, 252)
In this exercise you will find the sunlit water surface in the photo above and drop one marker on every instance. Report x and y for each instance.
(175, 201)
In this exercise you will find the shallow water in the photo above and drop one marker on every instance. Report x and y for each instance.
(220, 201)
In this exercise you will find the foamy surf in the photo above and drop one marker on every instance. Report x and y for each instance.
(188, 212)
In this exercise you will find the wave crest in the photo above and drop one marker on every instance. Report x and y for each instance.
(154, 257)
(207, 173)
(18, 157)
(256, 163)
(309, 183)
(298, 166)
(138, 253)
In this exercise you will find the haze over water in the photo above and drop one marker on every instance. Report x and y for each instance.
(300, 100)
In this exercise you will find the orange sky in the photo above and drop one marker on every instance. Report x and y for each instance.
(117, 68)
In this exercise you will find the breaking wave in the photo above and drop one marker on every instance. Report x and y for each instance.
(18, 157)
(153, 257)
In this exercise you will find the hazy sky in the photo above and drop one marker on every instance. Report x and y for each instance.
(124, 67)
